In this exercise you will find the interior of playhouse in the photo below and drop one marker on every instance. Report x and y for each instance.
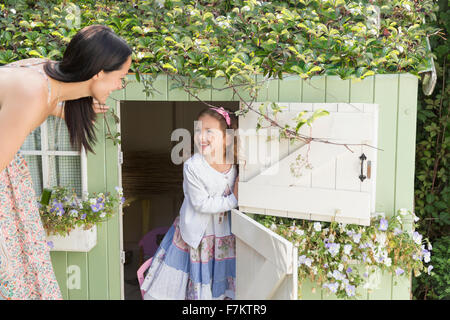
(151, 182)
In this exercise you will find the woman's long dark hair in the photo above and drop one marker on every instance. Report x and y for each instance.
(91, 50)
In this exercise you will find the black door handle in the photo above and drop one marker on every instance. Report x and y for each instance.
(361, 176)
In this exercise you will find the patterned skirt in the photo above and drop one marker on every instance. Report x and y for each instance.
(180, 272)
(26, 271)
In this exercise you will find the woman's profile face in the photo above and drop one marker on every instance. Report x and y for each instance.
(106, 82)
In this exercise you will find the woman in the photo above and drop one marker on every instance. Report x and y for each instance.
(94, 64)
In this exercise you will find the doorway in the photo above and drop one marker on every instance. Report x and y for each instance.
(151, 182)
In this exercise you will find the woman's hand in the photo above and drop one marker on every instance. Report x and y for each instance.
(235, 189)
(58, 111)
(99, 108)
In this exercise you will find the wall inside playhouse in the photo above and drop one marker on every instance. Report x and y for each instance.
(152, 183)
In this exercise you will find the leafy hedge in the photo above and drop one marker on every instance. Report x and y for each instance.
(432, 192)
(233, 39)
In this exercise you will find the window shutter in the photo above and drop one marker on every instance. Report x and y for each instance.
(332, 189)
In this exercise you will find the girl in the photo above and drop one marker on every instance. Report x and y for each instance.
(196, 258)
(93, 65)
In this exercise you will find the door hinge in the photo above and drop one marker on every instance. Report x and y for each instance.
(120, 157)
(122, 257)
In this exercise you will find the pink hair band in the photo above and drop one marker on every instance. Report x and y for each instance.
(225, 114)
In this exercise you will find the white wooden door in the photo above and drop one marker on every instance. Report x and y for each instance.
(332, 189)
(266, 263)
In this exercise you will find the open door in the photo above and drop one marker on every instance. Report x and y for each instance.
(266, 263)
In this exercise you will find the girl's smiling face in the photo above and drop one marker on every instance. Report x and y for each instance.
(209, 138)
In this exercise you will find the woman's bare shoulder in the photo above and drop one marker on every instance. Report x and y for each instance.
(22, 84)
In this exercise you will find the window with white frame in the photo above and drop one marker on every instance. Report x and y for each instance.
(52, 160)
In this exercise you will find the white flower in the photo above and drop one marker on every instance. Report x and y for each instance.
(397, 231)
(119, 189)
(92, 201)
(160, 3)
(417, 237)
(430, 267)
(301, 259)
(347, 248)
(273, 227)
(73, 213)
(340, 267)
(429, 246)
(300, 232)
(380, 238)
(403, 211)
(103, 214)
(13, 11)
(388, 262)
(427, 257)
(317, 226)
(308, 262)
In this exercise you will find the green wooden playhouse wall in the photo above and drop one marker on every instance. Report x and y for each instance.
(396, 95)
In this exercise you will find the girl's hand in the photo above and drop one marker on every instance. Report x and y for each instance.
(235, 189)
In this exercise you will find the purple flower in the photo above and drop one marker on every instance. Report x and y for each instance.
(83, 216)
(356, 237)
(50, 244)
(383, 224)
(97, 207)
(349, 270)
(58, 207)
(399, 271)
(122, 200)
(333, 287)
(350, 290)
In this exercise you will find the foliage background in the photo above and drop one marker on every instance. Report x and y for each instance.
(237, 40)
(432, 192)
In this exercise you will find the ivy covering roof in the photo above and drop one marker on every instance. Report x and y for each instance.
(234, 39)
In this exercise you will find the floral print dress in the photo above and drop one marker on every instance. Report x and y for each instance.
(26, 271)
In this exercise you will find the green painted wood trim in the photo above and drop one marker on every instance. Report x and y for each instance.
(314, 90)
(113, 224)
(290, 89)
(77, 276)
(161, 87)
(405, 162)
(98, 256)
(337, 90)
(59, 262)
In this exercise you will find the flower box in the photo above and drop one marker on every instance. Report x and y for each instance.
(78, 240)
